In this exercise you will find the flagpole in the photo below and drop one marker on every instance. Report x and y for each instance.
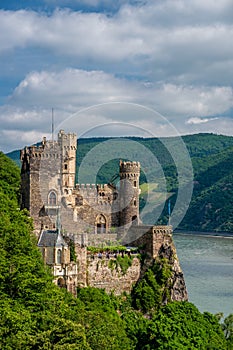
(169, 212)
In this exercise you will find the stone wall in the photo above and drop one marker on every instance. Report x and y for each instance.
(103, 273)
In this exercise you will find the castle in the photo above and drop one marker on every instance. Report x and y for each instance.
(88, 215)
(48, 184)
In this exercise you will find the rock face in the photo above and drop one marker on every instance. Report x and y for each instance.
(178, 291)
(158, 243)
(107, 274)
(106, 271)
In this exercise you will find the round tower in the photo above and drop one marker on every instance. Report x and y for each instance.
(129, 193)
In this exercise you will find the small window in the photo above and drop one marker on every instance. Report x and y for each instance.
(59, 256)
(135, 183)
(66, 166)
(52, 198)
(101, 224)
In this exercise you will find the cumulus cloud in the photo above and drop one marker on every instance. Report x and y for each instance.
(173, 56)
(92, 98)
(197, 120)
(77, 88)
(154, 35)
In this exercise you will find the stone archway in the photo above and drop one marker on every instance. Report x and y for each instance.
(101, 224)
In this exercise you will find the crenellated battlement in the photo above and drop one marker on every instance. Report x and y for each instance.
(129, 167)
(47, 149)
(87, 187)
(31, 152)
(102, 194)
(162, 229)
(67, 141)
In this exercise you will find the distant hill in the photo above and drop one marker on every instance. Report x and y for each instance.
(212, 158)
(15, 156)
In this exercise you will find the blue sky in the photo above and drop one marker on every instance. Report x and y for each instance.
(169, 56)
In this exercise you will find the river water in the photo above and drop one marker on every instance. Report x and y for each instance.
(207, 264)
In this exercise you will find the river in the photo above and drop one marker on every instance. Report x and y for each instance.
(207, 264)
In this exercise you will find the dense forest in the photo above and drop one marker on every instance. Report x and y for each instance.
(36, 314)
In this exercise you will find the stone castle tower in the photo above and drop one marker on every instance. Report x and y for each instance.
(48, 185)
(129, 193)
(68, 146)
(48, 172)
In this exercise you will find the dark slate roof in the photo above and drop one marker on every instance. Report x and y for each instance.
(51, 238)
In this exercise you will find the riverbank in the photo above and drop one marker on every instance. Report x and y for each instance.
(204, 233)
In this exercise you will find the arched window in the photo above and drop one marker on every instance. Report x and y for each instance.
(52, 198)
(101, 224)
(59, 256)
(61, 283)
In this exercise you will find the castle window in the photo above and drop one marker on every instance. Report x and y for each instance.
(65, 166)
(101, 224)
(135, 202)
(135, 183)
(79, 200)
(59, 256)
(61, 283)
(52, 198)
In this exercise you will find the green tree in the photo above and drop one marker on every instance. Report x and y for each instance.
(227, 327)
(179, 325)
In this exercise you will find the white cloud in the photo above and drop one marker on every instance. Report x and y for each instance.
(173, 56)
(153, 37)
(73, 91)
(197, 120)
(73, 88)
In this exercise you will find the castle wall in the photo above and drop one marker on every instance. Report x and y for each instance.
(103, 273)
